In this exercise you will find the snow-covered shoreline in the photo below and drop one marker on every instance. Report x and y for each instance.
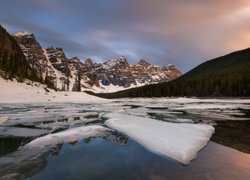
(183, 130)
(28, 92)
(16, 92)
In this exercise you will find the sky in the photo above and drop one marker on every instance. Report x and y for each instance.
(180, 32)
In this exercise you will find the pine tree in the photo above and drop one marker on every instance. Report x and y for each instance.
(79, 81)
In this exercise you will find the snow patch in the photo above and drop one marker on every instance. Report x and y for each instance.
(22, 33)
(179, 141)
(15, 92)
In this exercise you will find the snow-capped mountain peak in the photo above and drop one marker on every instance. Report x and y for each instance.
(115, 62)
(74, 60)
(71, 74)
(22, 33)
(143, 62)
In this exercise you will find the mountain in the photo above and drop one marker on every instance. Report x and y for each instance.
(52, 67)
(228, 75)
(35, 57)
(12, 61)
(147, 73)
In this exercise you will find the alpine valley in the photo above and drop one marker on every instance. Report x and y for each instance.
(95, 92)
(23, 57)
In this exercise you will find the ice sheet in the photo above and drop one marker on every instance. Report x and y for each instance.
(21, 132)
(180, 141)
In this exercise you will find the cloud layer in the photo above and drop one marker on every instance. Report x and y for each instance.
(184, 32)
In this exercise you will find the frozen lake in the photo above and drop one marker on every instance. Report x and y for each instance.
(123, 139)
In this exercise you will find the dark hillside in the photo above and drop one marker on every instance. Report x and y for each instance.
(228, 75)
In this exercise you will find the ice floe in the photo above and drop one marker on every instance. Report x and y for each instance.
(3, 119)
(69, 135)
(180, 141)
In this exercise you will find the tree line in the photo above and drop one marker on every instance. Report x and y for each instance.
(224, 76)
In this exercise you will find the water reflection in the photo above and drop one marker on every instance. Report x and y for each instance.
(101, 159)
(24, 169)
(27, 162)
(234, 134)
(95, 158)
(11, 144)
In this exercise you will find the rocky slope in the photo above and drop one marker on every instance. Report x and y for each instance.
(13, 63)
(146, 73)
(74, 75)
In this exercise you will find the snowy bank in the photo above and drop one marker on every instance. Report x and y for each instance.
(179, 141)
(15, 92)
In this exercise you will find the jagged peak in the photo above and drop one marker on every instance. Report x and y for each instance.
(54, 48)
(59, 49)
(50, 48)
(143, 62)
(169, 66)
(74, 60)
(122, 58)
(2, 28)
(115, 61)
(88, 61)
(22, 33)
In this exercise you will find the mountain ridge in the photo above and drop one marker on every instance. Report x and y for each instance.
(71, 74)
(228, 75)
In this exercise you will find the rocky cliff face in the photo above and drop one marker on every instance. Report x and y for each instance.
(73, 74)
(60, 64)
(172, 72)
(13, 63)
(115, 72)
(32, 51)
(8, 45)
(146, 73)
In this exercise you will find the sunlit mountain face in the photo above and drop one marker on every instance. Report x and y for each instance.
(184, 33)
